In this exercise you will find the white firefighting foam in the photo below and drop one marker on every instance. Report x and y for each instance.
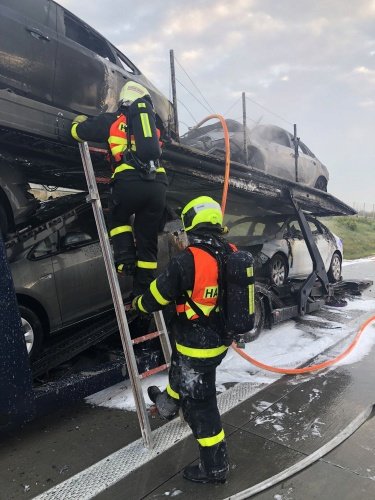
(287, 345)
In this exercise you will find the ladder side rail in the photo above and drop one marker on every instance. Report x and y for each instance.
(116, 295)
(164, 337)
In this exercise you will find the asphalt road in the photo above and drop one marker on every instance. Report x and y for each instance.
(48, 451)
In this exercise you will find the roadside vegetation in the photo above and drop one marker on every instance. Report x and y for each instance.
(357, 234)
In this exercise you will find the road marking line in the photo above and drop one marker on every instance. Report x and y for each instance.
(100, 476)
(105, 473)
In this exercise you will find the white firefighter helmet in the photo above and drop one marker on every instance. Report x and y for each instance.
(132, 91)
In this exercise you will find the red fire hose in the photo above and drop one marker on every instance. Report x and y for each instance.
(311, 368)
(241, 352)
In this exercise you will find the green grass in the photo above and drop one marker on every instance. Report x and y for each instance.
(357, 234)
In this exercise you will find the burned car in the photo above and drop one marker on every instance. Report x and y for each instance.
(60, 279)
(54, 66)
(269, 148)
(279, 248)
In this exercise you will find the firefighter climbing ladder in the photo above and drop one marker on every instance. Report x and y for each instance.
(127, 342)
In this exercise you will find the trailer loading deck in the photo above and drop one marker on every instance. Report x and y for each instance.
(190, 173)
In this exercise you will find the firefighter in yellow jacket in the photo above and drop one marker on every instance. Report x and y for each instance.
(191, 280)
(137, 187)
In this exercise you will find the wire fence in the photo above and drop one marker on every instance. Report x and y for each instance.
(364, 209)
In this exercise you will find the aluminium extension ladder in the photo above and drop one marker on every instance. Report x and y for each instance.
(127, 342)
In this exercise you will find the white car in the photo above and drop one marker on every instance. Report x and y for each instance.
(269, 148)
(280, 251)
(272, 150)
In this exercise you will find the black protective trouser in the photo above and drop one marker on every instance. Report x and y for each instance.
(192, 387)
(146, 200)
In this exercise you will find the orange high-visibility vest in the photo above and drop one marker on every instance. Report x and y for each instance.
(118, 138)
(205, 291)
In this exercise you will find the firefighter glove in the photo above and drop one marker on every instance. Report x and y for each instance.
(79, 119)
(126, 268)
(135, 303)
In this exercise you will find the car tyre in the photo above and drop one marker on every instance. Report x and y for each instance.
(258, 320)
(321, 184)
(278, 269)
(335, 268)
(3, 222)
(33, 331)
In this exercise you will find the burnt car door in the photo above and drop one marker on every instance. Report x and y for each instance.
(277, 145)
(283, 155)
(28, 47)
(300, 261)
(308, 165)
(85, 82)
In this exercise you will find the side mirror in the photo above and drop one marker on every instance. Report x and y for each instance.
(75, 239)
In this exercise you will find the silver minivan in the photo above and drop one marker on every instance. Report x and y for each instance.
(61, 280)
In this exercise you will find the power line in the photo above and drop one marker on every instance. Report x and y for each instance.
(195, 97)
(232, 106)
(210, 108)
(239, 118)
(205, 100)
(269, 111)
(188, 110)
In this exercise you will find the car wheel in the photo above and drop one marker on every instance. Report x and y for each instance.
(32, 330)
(3, 222)
(334, 271)
(258, 320)
(278, 269)
(321, 184)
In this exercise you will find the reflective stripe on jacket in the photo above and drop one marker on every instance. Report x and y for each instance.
(118, 138)
(205, 291)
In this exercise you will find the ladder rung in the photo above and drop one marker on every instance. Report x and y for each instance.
(158, 369)
(149, 336)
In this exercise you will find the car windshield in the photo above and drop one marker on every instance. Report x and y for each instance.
(245, 230)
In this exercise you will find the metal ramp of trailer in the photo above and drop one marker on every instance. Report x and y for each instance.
(248, 187)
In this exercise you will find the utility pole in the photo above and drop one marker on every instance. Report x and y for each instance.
(174, 94)
(245, 151)
(296, 154)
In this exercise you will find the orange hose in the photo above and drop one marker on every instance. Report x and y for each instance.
(306, 369)
(227, 156)
(241, 352)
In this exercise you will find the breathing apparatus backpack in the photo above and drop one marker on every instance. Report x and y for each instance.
(140, 119)
(235, 309)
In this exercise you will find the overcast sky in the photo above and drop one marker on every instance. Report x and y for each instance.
(309, 62)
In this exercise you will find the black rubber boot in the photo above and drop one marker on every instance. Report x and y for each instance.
(213, 466)
(197, 474)
(166, 406)
(153, 392)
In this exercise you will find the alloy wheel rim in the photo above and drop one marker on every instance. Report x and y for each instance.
(278, 272)
(336, 267)
(28, 333)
